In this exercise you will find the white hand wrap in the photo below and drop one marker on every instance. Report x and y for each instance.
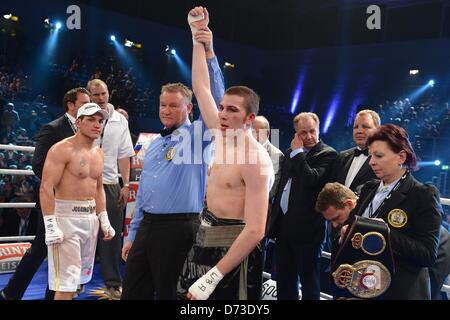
(204, 286)
(192, 19)
(105, 224)
(53, 233)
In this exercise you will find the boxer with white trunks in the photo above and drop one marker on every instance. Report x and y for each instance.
(73, 203)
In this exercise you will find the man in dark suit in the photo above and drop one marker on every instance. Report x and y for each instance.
(298, 229)
(351, 167)
(49, 134)
(20, 221)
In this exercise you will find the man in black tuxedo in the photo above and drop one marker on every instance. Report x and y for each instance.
(49, 134)
(299, 230)
(351, 167)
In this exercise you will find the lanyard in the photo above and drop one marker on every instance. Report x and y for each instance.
(397, 185)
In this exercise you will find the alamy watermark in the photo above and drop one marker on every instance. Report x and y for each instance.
(232, 147)
(374, 20)
(73, 22)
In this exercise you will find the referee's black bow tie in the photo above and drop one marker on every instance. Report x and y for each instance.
(165, 132)
(359, 152)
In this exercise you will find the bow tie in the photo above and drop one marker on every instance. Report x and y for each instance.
(165, 132)
(359, 152)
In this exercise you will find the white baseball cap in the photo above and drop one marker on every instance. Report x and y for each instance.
(88, 109)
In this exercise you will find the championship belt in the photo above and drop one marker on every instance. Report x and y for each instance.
(364, 263)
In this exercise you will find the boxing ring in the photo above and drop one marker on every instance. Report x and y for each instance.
(267, 276)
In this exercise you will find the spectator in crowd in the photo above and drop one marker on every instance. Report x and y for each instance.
(3, 163)
(10, 117)
(20, 221)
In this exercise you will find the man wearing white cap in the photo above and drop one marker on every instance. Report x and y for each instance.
(71, 193)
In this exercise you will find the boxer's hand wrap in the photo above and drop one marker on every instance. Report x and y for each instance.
(53, 233)
(191, 20)
(204, 286)
(107, 229)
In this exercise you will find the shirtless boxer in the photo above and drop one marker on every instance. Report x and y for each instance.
(237, 191)
(71, 193)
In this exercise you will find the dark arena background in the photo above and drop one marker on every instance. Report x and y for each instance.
(320, 56)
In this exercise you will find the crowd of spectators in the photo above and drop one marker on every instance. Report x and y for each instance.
(23, 112)
(21, 116)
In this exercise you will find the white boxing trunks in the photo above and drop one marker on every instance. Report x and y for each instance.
(71, 262)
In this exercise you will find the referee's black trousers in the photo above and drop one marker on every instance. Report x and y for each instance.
(157, 256)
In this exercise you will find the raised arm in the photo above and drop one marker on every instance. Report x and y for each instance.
(200, 75)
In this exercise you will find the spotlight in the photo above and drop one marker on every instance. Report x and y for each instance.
(228, 65)
(50, 24)
(113, 38)
(10, 16)
(413, 72)
(170, 51)
(444, 168)
(437, 162)
(129, 44)
(431, 83)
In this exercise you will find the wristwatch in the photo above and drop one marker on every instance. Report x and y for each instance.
(126, 185)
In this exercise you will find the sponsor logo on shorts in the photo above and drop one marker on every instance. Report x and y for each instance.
(89, 209)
